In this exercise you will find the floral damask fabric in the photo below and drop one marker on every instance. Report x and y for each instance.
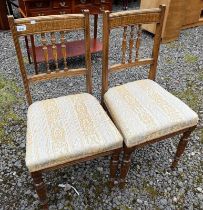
(68, 128)
(143, 111)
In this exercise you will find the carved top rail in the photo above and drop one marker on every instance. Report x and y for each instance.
(54, 23)
(131, 24)
(134, 17)
(46, 27)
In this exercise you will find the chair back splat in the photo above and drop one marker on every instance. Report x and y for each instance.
(48, 26)
(131, 20)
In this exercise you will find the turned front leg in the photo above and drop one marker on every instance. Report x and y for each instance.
(181, 146)
(125, 166)
(40, 189)
(114, 167)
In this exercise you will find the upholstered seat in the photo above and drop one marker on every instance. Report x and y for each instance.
(68, 128)
(143, 111)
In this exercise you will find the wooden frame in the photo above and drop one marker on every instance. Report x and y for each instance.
(29, 8)
(129, 19)
(40, 186)
(180, 149)
(51, 24)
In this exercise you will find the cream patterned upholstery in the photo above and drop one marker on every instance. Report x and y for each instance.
(68, 128)
(143, 111)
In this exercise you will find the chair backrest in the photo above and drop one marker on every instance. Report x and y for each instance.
(48, 26)
(128, 20)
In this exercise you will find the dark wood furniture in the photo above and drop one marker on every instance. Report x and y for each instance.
(3, 15)
(49, 25)
(6, 9)
(118, 99)
(32, 8)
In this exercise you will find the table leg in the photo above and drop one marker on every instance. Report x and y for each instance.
(34, 53)
(3, 17)
(10, 7)
(95, 25)
(27, 48)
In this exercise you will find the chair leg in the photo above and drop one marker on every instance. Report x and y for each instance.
(114, 167)
(125, 166)
(181, 146)
(40, 189)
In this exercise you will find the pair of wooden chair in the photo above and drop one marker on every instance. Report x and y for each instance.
(75, 128)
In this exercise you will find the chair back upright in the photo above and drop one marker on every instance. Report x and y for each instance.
(46, 28)
(129, 20)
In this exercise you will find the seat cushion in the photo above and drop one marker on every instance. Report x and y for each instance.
(143, 111)
(68, 128)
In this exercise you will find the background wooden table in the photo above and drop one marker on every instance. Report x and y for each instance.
(31, 8)
(3, 15)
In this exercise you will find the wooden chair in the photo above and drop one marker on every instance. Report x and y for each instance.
(142, 110)
(69, 129)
